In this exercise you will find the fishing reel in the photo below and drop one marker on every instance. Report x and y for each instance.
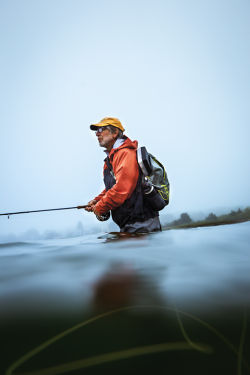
(103, 217)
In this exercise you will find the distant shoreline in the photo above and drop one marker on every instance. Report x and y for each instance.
(205, 224)
(234, 217)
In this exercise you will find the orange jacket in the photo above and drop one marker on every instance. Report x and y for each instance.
(126, 170)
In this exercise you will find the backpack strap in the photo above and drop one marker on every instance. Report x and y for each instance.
(110, 168)
(143, 160)
(109, 165)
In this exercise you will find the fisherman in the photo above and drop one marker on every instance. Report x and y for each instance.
(124, 191)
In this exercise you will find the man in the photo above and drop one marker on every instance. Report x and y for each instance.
(123, 194)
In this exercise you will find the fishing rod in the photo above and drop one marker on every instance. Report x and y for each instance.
(102, 217)
(49, 209)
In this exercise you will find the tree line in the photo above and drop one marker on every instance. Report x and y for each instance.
(239, 215)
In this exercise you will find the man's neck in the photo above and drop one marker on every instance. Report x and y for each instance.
(118, 142)
(109, 147)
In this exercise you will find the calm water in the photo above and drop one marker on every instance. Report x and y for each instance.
(171, 287)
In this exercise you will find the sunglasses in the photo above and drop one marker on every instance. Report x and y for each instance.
(101, 129)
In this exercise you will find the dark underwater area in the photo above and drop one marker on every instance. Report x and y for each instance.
(130, 340)
(171, 302)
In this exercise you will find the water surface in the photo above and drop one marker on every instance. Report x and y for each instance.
(158, 280)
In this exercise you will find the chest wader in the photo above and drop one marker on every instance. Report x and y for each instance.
(135, 208)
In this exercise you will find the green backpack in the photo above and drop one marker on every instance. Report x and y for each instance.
(155, 175)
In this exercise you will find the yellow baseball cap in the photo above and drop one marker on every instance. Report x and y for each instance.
(108, 121)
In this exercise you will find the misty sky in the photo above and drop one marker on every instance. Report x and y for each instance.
(176, 73)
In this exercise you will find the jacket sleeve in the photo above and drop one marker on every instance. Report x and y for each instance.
(98, 197)
(126, 172)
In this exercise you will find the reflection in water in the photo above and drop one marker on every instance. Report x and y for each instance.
(116, 288)
(115, 236)
(123, 286)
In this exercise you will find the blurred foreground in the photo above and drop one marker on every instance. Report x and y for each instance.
(174, 301)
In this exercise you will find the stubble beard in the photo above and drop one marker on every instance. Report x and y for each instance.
(105, 143)
(102, 143)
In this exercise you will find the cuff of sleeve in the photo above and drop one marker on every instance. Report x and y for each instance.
(99, 209)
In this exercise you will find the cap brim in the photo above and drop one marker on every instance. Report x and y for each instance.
(96, 126)
(93, 127)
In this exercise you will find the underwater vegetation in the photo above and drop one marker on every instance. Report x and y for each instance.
(132, 339)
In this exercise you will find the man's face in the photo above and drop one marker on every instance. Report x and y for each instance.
(105, 138)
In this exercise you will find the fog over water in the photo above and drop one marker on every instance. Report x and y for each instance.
(175, 73)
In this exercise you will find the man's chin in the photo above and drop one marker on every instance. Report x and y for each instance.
(101, 144)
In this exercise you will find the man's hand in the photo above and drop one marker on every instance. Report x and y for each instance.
(90, 206)
(101, 217)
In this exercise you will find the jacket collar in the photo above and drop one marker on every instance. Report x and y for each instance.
(126, 143)
(117, 144)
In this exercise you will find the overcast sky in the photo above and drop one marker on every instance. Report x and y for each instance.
(176, 73)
